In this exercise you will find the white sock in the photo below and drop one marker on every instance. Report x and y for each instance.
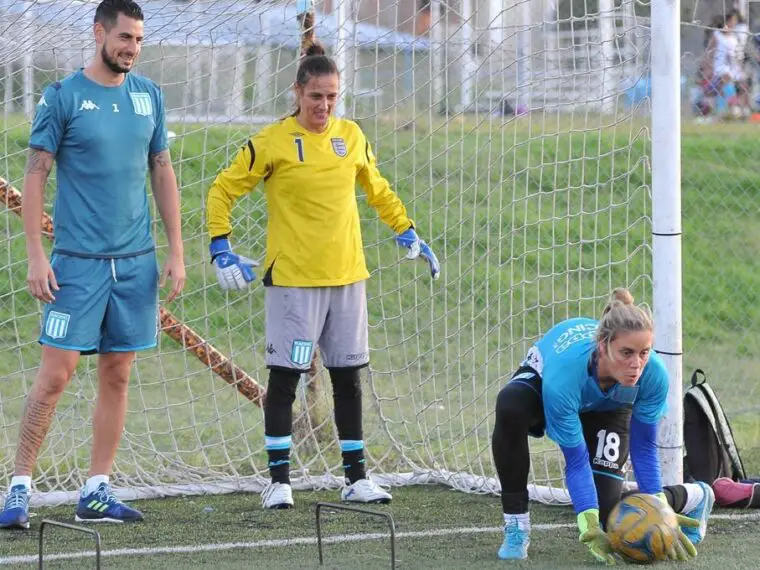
(523, 520)
(92, 484)
(25, 480)
(694, 495)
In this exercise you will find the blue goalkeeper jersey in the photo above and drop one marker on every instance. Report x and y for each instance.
(563, 359)
(101, 138)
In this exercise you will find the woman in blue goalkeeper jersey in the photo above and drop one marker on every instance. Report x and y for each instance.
(595, 388)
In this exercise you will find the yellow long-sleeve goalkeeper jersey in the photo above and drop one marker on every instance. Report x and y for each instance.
(313, 233)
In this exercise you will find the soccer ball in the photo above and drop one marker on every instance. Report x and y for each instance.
(642, 528)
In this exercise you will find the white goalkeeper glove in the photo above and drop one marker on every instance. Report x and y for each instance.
(418, 248)
(233, 271)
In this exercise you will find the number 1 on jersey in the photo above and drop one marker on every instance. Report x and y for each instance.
(299, 146)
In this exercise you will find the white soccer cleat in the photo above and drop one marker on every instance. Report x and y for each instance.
(365, 491)
(277, 496)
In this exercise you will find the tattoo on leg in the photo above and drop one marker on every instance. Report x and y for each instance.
(34, 427)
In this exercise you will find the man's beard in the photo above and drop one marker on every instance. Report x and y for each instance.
(112, 64)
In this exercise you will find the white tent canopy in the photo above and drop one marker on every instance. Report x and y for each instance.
(43, 29)
(199, 23)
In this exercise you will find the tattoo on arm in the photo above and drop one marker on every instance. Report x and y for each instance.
(160, 159)
(34, 427)
(39, 162)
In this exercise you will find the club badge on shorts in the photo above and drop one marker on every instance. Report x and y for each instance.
(57, 324)
(300, 354)
(339, 146)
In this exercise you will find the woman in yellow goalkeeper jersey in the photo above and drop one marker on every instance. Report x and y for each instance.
(315, 271)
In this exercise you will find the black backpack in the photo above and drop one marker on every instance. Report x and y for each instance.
(711, 451)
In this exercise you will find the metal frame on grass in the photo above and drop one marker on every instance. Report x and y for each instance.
(76, 528)
(387, 516)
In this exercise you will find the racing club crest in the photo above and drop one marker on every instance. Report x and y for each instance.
(339, 146)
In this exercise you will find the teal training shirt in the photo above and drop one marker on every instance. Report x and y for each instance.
(563, 359)
(101, 138)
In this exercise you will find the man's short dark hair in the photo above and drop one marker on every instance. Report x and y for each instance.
(108, 12)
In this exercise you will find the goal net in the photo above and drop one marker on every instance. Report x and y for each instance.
(516, 133)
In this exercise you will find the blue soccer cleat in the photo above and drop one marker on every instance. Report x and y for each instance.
(516, 539)
(15, 513)
(103, 506)
(701, 513)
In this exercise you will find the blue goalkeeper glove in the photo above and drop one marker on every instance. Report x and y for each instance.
(418, 248)
(594, 537)
(233, 271)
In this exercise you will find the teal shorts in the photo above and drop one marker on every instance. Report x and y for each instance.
(103, 305)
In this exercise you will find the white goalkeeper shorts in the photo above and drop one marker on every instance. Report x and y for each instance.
(298, 319)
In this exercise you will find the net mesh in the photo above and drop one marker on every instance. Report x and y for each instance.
(517, 135)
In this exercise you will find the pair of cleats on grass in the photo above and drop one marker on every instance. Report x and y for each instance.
(280, 495)
(517, 533)
(99, 506)
(103, 506)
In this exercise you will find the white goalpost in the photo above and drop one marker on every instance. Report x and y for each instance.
(666, 224)
(511, 131)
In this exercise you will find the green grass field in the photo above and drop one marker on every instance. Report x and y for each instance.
(436, 528)
(534, 221)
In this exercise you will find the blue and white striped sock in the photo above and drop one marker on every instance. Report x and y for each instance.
(278, 452)
(353, 459)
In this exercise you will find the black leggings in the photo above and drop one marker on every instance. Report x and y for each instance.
(519, 411)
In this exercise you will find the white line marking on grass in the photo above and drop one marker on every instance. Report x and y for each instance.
(285, 542)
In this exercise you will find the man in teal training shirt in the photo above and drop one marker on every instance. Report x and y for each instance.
(104, 127)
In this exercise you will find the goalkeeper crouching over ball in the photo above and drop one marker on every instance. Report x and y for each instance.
(314, 273)
(595, 387)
